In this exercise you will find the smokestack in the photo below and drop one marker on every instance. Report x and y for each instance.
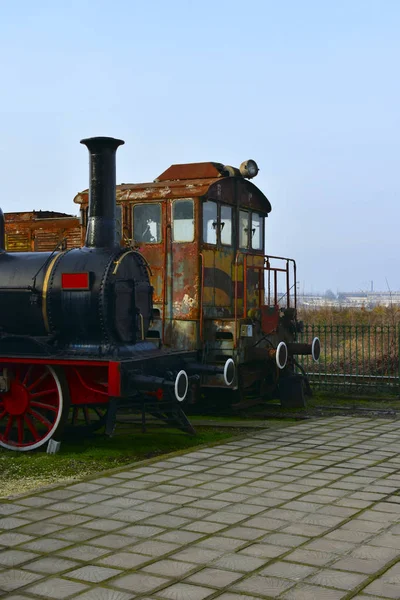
(2, 232)
(101, 231)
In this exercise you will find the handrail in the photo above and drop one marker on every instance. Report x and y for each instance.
(201, 315)
(265, 267)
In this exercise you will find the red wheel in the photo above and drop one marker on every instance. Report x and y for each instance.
(34, 407)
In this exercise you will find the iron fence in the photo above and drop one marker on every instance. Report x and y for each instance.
(361, 359)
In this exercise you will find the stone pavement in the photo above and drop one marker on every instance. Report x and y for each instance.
(302, 512)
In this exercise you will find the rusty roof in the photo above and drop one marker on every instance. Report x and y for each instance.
(179, 181)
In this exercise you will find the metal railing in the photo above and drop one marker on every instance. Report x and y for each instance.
(355, 359)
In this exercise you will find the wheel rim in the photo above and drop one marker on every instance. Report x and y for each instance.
(31, 410)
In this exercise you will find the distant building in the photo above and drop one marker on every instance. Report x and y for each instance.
(351, 299)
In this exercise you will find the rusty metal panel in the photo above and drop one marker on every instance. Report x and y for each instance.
(46, 240)
(205, 170)
(18, 242)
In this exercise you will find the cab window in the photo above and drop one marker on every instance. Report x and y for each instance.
(210, 222)
(243, 229)
(226, 225)
(147, 223)
(257, 231)
(183, 221)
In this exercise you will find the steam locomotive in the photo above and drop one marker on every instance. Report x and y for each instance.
(73, 329)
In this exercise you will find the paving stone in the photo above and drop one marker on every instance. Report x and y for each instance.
(348, 536)
(311, 557)
(304, 529)
(229, 596)
(84, 552)
(359, 565)
(60, 494)
(16, 578)
(380, 588)
(204, 527)
(197, 555)
(185, 591)
(265, 586)
(124, 560)
(266, 523)
(335, 546)
(170, 568)
(312, 592)
(228, 518)
(57, 588)
(103, 524)
(11, 509)
(220, 543)
(337, 579)
(45, 545)
(12, 558)
(169, 521)
(153, 548)
(284, 539)
(20, 597)
(75, 534)
(264, 550)
(113, 540)
(144, 531)
(179, 537)
(241, 563)
(287, 570)
(219, 578)
(41, 528)
(386, 540)
(12, 523)
(70, 519)
(50, 564)
(139, 582)
(93, 573)
(13, 539)
(98, 593)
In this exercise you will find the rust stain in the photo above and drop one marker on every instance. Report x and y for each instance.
(40, 231)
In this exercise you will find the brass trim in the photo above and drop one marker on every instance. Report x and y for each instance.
(119, 261)
(45, 289)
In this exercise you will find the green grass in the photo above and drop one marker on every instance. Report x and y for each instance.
(26, 471)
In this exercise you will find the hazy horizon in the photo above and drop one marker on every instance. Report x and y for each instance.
(308, 90)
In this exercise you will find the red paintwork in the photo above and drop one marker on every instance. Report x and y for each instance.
(75, 281)
(89, 382)
(30, 407)
(269, 319)
(114, 379)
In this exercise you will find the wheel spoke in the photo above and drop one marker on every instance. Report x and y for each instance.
(43, 405)
(43, 393)
(33, 406)
(32, 428)
(26, 376)
(40, 418)
(20, 422)
(9, 426)
(37, 381)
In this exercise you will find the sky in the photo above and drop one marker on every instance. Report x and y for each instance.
(310, 90)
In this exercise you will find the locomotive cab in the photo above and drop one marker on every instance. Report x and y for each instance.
(201, 228)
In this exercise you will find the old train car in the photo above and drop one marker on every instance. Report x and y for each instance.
(41, 231)
(73, 329)
(201, 229)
